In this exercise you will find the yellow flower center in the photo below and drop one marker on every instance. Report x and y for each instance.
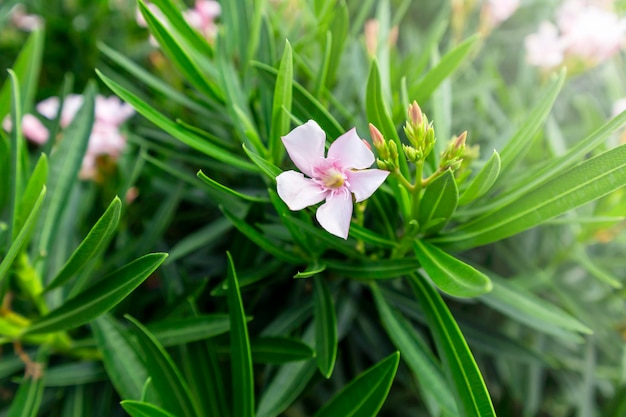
(333, 178)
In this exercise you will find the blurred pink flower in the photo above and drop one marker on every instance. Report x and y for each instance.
(497, 11)
(202, 17)
(544, 48)
(618, 106)
(105, 138)
(333, 178)
(24, 21)
(32, 129)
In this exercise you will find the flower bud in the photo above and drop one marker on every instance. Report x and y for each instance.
(379, 142)
(415, 114)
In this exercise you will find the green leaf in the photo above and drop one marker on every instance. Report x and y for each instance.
(65, 164)
(266, 167)
(582, 184)
(305, 106)
(174, 332)
(377, 113)
(241, 358)
(438, 203)
(424, 89)
(27, 400)
(222, 188)
(176, 54)
(365, 394)
(311, 270)
(483, 181)
(415, 353)
(36, 183)
(325, 328)
(22, 236)
(99, 298)
(166, 378)
(519, 144)
(340, 26)
(17, 151)
(278, 350)
(281, 105)
(525, 307)
(258, 238)
(141, 409)
(449, 273)
(373, 269)
(176, 130)
(472, 396)
(122, 361)
(93, 244)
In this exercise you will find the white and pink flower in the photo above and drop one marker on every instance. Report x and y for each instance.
(334, 178)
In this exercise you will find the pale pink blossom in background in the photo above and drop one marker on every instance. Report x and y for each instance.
(497, 11)
(202, 17)
(32, 128)
(618, 107)
(24, 21)
(334, 178)
(544, 48)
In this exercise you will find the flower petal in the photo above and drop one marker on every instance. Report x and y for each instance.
(297, 191)
(305, 146)
(336, 213)
(350, 151)
(364, 183)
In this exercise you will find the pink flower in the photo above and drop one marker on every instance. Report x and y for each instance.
(32, 128)
(333, 178)
(544, 49)
(497, 11)
(202, 17)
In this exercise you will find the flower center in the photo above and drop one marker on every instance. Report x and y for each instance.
(333, 178)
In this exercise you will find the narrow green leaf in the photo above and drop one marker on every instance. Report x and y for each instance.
(340, 27)
(142, 409)
(582, 184)
(519, 144)
(176, 54)
(206, 379)
(525, 307)
(17, 150)
(449, 273)
(472, 396)
(174, 129)
(424, 89)
(415, 353)
(166, 378)
(65, 164)
(365, 394)
(438, 203)
(93, 244)
(377, 113)
(27, 400)
(99, 298)
(281, 105)
(174, 332)
(222, 188)
(325, 321)
(266, 167)
(262, 241)
(374, 269)
(278, 350)
(305, 106)
(122, 361)
(75, 373)
(483, 181)
(311, 270)
(22, 236)
(35, 184)
(241, 358)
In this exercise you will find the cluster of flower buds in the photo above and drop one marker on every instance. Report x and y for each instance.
(387, 150)
(452, 156)
(420, 133)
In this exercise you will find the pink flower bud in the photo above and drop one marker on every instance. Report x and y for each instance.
(415, 114)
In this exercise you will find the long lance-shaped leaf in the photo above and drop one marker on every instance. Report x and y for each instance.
(166, 378)
(582, 184)
(417, 356)
(143, 409)
(241, 358)
(17, 148)
(483, 181)
(325, 328)
(30, 196)
(22, 236)
(27, 401)
(99, 298)
(122, 362)
(174, 129)
(471, 393)
(91, 246)
(281, 105)
(364, 396)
